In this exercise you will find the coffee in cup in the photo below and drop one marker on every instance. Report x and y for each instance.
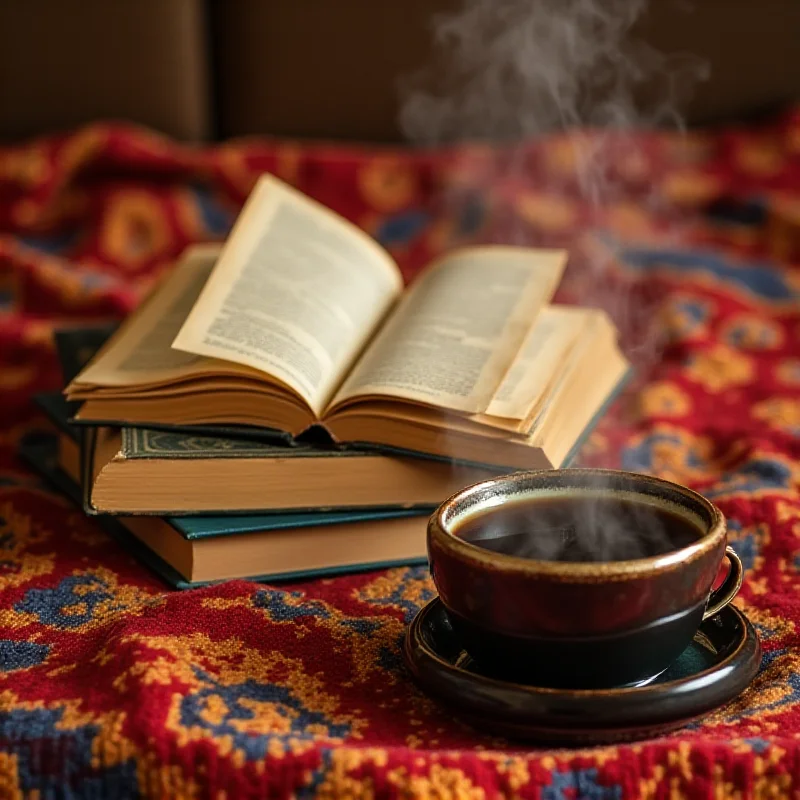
(579, 578)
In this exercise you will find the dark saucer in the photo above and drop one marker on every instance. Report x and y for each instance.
(716, 667)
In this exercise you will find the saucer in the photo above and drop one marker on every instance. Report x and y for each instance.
(716, 667)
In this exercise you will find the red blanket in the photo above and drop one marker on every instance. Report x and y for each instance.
(113, 685)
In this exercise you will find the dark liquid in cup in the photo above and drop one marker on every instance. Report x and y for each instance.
(579, 529)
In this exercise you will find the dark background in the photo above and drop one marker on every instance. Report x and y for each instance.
(209, 69)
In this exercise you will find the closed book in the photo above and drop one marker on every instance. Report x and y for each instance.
(188, 552)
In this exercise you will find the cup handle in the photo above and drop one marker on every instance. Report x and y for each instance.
(719, 598)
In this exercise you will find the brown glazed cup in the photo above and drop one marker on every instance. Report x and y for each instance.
(579, 625)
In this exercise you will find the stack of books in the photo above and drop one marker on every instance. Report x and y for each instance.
(281, 406)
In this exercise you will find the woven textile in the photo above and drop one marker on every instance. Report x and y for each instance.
(113, 685)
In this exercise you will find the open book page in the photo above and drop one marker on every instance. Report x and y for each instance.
(452, 339)
(141, 351)
(538, 363)
(596, 367)
(297, 293)
(583, 365)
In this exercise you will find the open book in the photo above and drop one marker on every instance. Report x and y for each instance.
(300, 320)
(175, 472)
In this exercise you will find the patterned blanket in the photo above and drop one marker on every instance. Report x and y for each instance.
(113, 685)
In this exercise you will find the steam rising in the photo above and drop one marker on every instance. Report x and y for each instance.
(522, 67)
(551, 71)
(579, 527)
(515, 70)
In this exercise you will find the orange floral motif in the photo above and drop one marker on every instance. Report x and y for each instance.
(559, 155)
(673, 453)
(684, 317)
(780, 412)
(720, 367)
(387, 184)
(516, 769)
(15, 377)
(21, 562)
(440, 782)
(777, 625)
(9, 782)
(243, 700)
(767, 693)
(83, 601)
(665, 399)
(566, 155)
(338, 780)
(135, 228)
(26, 167)
(690, 188)
(629, 220)
(547, 212)
(39, 333)
(760, 158)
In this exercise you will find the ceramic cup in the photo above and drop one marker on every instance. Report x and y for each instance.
(579, 624)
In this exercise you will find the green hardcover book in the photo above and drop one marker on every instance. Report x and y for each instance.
(141, 471)
(192, 551)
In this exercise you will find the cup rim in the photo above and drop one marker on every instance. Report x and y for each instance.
(607, 570)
